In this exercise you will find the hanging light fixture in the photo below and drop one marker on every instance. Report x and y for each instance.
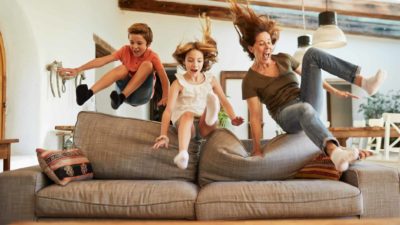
(303, 41)
(328, 35)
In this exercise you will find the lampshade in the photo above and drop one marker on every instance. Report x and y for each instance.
(328, 35)
(303, 43)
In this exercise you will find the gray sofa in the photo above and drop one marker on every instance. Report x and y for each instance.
(222, 182)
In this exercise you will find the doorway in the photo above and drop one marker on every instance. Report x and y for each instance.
(2, 86)
(340, 110)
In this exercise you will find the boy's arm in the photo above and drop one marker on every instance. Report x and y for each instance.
(164, 84)
(95, 63)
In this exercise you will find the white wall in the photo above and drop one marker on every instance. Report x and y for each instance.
(41, 31)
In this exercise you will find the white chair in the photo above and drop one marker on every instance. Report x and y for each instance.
(392, 120)
(375, 142)
(358, 142)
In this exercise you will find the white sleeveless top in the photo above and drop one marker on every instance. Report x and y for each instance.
(192, 98)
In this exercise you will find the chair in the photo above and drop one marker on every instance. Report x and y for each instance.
(392, 120)
(358, 142)
(375, 142)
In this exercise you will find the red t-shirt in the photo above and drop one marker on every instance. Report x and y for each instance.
(132, 63)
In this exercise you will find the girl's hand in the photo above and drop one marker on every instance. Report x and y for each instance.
(161, 141)
(237, 121)
(163, 101)
(68, 72)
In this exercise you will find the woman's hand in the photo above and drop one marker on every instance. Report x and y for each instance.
(68, 72)
(161, 141)
(345, 94)
(237, 121)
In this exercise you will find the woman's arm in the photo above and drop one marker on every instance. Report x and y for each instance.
(254, 107)
(340, 93)
(95, 63)
(162, 140)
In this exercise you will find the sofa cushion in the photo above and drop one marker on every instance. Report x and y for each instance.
(278, 199)
(224, 158)
(64, 166)
(119, 199)
(321, 167)
(121, 148)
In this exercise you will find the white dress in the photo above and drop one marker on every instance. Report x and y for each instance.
(192, 98)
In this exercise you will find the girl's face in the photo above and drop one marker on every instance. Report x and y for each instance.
(194, 61)
(138, 44)
(262, 48)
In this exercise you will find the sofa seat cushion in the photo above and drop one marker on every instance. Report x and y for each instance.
(223, 157)
(278, 199)
(122, 148)
(119, 199)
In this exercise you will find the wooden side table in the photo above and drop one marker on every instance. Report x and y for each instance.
(5, 152)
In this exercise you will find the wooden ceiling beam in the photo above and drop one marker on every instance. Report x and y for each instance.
(362, 8)
(286, 18)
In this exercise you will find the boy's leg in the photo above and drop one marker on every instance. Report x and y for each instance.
(83, 93)
(145, 69)
(185, 125)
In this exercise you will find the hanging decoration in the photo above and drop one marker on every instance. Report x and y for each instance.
(58, 80)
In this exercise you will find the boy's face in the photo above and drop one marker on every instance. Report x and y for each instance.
(138, 44)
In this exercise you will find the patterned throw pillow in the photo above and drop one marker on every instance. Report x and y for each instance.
(321, 167)
(63, 166)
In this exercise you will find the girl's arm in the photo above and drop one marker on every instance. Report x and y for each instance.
(225, 103)
(340, 93)
(254, 107)
(164, 84)
(162, 140)
(95, 63)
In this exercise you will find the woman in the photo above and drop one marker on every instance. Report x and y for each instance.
(272, 80)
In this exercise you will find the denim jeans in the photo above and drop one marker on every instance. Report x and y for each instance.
(140, 96)
(304, 113)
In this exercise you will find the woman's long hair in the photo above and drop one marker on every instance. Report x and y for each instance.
(248, 25)
(208, 46)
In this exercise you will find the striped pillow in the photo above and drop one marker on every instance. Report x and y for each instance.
(319, 168)
(64, 166)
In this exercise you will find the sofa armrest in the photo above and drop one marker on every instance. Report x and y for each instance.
(17, 193)
(379, 186)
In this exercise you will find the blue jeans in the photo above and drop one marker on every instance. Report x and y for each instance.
(140, 96)
(303, 113)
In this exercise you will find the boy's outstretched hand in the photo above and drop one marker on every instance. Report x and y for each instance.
(162, 102)
(237, 121)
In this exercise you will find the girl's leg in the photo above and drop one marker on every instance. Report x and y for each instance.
(145, 69)
(208, 120)
(83, 93)
(185, 130)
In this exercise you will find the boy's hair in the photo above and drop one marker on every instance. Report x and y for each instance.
(248, 25)
(208, 46)
(142, 29)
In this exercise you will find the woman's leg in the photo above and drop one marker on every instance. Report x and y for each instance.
(314, 61)
(185, 130)
(83, 93)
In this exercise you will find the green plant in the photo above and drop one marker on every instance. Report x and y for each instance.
(380, 103)
(223, 118)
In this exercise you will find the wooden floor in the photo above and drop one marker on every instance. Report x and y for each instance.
(240, 222)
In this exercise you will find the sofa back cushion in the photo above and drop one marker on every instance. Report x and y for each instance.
(121, 148)
(223, 157)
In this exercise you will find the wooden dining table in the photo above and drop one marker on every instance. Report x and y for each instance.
(344, 133)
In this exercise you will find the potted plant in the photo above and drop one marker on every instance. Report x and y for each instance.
(380, 103)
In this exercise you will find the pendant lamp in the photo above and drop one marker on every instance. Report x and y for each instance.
(303, 41)
(328, 34)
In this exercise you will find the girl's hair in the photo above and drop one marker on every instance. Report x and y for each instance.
(248, 25)
(142, 29)
(208, 46)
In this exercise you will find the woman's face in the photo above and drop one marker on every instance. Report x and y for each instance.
(262, 48)
(194, 61)
(138, 44)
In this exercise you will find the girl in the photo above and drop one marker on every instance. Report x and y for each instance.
(194, 94)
